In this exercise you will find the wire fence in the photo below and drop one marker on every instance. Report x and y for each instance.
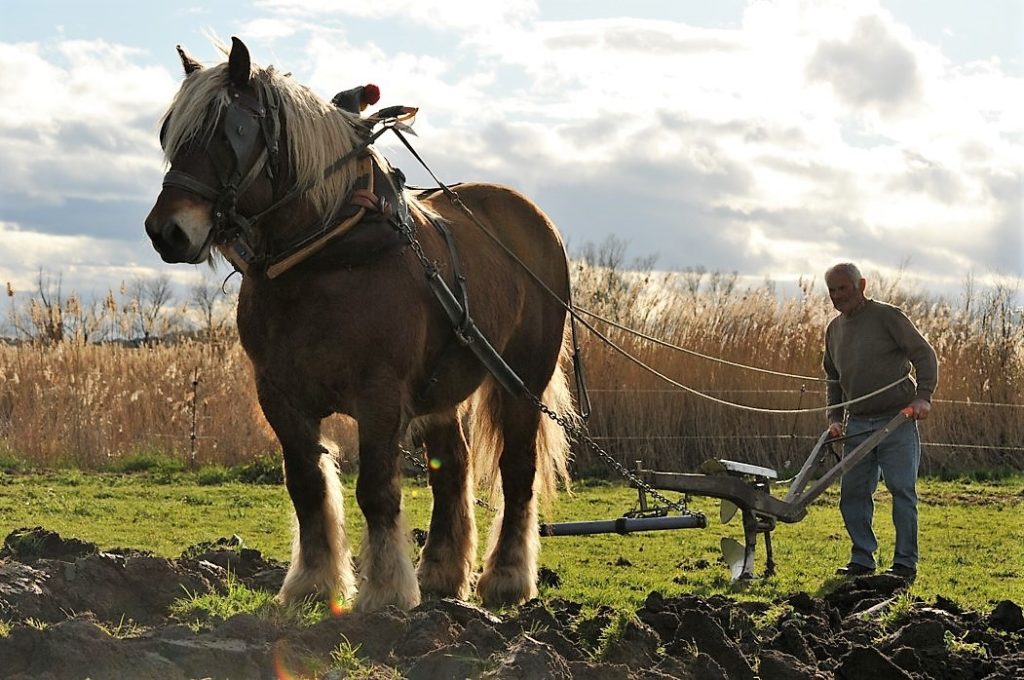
(672, 431)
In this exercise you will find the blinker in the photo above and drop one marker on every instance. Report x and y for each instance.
(241, 126)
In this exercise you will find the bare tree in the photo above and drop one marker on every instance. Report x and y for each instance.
(150, 300)
(41, 317)
(209, 299)
(693, 277)
(721, 285)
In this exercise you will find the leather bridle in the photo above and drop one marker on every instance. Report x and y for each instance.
(246, 119)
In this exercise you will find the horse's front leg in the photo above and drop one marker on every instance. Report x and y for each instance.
(385, 560)
(321, 559)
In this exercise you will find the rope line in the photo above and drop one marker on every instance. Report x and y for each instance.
(968, 402)
(959, 402)
(743, 407)
(988, 447)
(454, 198)
(613, 390)
(678, 348)
(727, 437)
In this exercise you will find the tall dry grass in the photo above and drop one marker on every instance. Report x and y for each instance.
(67, 399)
(133, 374)
(92, 405)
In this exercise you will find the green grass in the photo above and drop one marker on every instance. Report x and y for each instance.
(124, 629)
(345, 658)
(972, 536)
(194, 609)
(237, 599)
(897, 613)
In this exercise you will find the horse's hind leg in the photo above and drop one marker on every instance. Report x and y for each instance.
(385, 566)
(321, 560)
(510, 567)
(446, 563)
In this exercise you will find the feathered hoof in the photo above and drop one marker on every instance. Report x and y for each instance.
(372, 600)
(302, 584)
(442, 579)
(506, 586)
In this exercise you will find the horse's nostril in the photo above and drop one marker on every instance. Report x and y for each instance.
(152, 231)
(175, 236)
(167, 236)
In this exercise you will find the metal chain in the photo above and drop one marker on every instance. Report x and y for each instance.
(422, 467)
(576, 432)
(405, 228)
(414, 459)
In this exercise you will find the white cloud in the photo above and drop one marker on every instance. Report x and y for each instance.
(88, 265)
(451, 15)
(78, 119)
(811, 131)
(893, 154)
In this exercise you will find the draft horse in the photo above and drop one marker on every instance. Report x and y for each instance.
(258, 166)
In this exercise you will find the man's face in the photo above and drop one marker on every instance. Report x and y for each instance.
(846, 294)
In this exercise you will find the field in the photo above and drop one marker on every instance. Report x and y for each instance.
(131, 423)
(656, 604)
(972, 537)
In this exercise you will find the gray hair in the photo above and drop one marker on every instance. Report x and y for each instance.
(848, 268)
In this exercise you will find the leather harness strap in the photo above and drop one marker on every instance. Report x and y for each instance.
(364, 187)
(462, 333)
(374, 192)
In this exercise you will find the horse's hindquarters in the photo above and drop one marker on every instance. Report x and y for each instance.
(525, 321)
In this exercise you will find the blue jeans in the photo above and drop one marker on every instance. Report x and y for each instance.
(897, 459)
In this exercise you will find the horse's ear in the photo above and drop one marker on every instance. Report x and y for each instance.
(187, 62)
(239, 64)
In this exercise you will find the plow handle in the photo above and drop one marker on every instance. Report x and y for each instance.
(800, 501)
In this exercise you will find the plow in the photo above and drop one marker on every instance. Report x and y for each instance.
(742, 488)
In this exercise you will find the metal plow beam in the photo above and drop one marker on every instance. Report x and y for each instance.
(734, 489)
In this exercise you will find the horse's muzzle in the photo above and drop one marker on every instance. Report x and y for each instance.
(172, 241)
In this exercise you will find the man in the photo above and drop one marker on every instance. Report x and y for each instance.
(868, 346)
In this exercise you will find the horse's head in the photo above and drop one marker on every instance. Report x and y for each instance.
(231, 159)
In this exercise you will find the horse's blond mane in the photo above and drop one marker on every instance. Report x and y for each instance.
(318, 132)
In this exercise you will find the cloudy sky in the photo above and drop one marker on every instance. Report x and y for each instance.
(772, 138)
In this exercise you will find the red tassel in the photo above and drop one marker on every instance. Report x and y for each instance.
(370, 95)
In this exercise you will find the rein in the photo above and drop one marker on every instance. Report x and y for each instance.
(576, 315)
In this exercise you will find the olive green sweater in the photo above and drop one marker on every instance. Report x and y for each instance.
(870, 349)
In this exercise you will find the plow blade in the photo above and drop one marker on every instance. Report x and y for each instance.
(735, 557)
(727, 511)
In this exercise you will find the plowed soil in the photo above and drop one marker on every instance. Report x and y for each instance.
(65, 605)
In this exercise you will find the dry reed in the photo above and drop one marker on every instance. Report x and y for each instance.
(977, 423)
(66, 399)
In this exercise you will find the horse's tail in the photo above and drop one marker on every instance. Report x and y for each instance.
(553, 443)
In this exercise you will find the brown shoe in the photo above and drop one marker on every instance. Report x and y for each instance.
(854, 569)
